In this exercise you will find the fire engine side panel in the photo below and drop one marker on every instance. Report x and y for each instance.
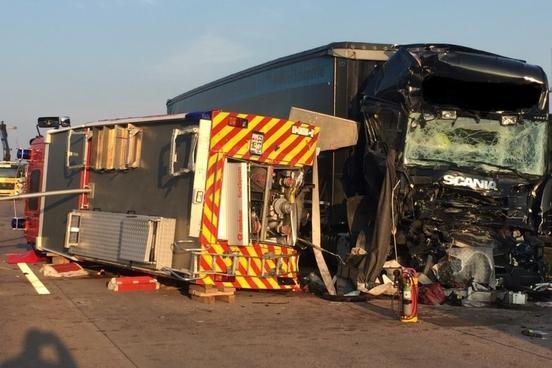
(57, 177)
(148, 189)
(33, 184)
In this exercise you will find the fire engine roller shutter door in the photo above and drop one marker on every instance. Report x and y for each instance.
(119, 237)
(234, 215)
(136, 239)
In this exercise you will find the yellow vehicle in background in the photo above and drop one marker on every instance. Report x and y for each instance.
(12, 178)
(12, 173)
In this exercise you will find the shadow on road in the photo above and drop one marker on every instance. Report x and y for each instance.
(42, 349)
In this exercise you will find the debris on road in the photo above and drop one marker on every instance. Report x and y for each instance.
(534, 333)
(514, 298)
(433, 294)
(466, 264)
(71, 269)
(133, 283)
(30, 256)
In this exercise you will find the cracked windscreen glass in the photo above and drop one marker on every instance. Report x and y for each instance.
(473, 142)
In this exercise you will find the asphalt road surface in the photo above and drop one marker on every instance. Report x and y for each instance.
(83, 324)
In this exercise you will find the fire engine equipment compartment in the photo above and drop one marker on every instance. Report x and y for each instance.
(206, 197)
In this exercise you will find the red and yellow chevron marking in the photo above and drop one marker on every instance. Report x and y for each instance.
(213, 188)
(251, 262)
(281, 146)
(257, 266)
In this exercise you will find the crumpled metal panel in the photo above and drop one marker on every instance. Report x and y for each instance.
(401, 80)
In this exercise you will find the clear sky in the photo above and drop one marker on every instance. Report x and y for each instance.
(95, 59)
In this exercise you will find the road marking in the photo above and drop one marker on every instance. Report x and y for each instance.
(29, 274)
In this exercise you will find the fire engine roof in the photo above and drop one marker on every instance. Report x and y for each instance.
(137, 120)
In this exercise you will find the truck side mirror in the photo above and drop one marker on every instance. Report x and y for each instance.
(53, 122)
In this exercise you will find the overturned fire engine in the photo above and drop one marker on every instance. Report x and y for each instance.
(451, 172)
(212, 198)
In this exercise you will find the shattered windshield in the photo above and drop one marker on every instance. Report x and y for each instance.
(474, 142)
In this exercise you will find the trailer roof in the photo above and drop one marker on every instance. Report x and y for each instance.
(344, 49)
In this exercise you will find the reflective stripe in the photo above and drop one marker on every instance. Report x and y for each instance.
(35, 282)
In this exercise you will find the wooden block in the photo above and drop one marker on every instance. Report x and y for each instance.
(60, 260)
(214, 292)
(204, 299)
(227, 298)
(202, 289)
(227, 289)
(199, 293)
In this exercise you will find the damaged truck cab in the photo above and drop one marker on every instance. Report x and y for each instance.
(471, 135)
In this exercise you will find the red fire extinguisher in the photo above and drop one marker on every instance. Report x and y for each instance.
(407, 281)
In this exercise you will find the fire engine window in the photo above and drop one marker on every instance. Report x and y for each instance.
(184, 153)
(76, 149)
(34, 188)
(183, 147)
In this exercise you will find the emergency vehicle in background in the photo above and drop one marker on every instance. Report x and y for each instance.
(215, 198)
(35, 164)
(12, 177)
(12, 173)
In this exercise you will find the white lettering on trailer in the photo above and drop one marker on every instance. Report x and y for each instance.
(473, 183)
